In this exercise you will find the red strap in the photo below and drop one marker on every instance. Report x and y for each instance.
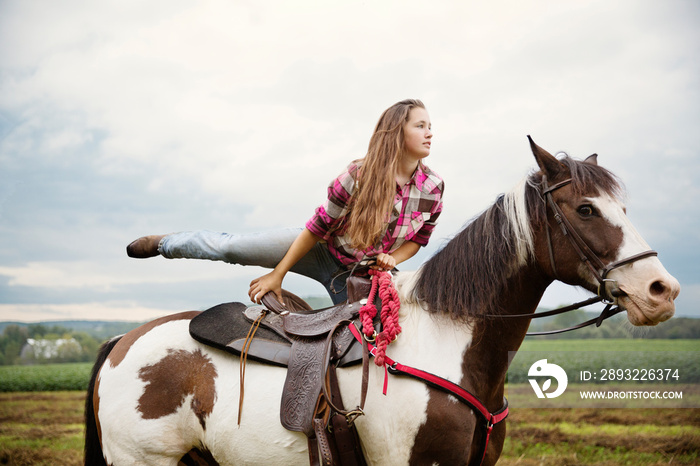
(451, 387)
(440, 382)
(489, 428)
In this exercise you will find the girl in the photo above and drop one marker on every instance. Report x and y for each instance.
(384, 207)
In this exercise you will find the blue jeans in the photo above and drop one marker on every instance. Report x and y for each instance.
(264, 249)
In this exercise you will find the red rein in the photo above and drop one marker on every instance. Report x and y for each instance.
(389, 314)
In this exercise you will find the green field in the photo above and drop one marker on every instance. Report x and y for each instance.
(611, 344)
(49, 377)
(670, 362)
(42, 425)
(607, 437)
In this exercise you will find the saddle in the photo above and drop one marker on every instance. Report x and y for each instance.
(311, 344)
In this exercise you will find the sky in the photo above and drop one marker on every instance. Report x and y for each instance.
(125, 118)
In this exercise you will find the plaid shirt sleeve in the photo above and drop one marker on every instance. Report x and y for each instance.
(328, 217)
(422, 236)
(431, 212)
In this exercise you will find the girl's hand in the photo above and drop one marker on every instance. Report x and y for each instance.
(269, 282)
(385, 262)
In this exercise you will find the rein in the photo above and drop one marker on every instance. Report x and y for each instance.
(608, 291)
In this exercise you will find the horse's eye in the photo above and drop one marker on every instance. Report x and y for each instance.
(586, 211)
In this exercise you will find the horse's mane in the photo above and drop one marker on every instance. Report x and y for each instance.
(466, 276)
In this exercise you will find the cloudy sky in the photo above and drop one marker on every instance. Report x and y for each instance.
(125, 118)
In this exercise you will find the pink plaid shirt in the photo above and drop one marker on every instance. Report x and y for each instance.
(417, 206)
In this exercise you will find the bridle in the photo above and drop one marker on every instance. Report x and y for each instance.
(608, 291)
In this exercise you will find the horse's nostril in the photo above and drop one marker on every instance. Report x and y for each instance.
(658, 288)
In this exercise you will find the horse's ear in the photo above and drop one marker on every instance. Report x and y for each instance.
(549, 164)
(592, 159)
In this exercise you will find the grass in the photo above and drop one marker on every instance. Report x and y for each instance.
(609, 344)
(599, 355)
(46, 428)
(49, 377)
(602, 437)
(42, 428)
(521, 395)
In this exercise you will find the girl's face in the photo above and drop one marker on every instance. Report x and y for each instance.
(417, 134)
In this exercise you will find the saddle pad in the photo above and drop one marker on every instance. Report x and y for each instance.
(225, 327)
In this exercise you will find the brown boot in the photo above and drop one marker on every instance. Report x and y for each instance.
(144, 247)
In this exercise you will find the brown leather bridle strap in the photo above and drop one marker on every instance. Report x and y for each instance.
(606, 294)
(608, 268)
(585, 253)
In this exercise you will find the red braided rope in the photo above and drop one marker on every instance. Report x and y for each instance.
(389, 313)
(369, 310)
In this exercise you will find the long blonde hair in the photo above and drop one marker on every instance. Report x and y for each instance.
(373, 196)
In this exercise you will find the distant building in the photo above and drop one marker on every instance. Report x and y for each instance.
(62, 349)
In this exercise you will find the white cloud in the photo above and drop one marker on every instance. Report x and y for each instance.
(83, 311)
(106, 275)
(242, 112)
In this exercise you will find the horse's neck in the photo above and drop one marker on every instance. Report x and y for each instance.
(432, 342)
(486, 361)
(475, 354)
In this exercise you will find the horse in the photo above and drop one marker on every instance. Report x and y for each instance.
(159, 397)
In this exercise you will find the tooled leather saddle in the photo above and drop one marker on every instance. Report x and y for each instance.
(311, 344)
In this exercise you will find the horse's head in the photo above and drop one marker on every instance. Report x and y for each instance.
(590, 242)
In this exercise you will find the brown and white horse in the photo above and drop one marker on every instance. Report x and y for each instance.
(157, 395)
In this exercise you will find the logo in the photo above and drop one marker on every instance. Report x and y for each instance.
(542, 368)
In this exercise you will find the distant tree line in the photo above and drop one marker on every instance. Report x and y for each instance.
(83, 347)
(616, 327)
